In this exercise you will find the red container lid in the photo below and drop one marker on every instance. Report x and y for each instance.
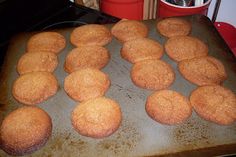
(228, 33)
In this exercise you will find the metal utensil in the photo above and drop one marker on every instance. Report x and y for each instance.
(184, 3)
(198, 2)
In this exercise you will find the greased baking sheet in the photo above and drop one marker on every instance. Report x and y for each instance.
(138, 134)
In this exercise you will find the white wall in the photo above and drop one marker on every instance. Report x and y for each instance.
(227, 11)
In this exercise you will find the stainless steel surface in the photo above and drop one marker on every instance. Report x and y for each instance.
(138, 135)
(216, 9)
(183, 3)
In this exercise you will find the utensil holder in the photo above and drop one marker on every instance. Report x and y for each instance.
(166, 9)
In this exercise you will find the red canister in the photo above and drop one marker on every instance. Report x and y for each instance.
(166, 9)
(129, 9)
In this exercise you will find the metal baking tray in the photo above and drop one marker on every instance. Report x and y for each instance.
(138, 134)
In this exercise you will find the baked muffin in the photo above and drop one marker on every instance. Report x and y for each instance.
(86, 84)
(126, 30)
(90, 34)
(168, 107)
(185, 47)
(170, 27)
(141, 49)
(97, 118)
(203, 70)
(25, 130)
(152, 74)
(214, 103)
(86, 57)
(46, 42)
(34, 87)
(37, 61)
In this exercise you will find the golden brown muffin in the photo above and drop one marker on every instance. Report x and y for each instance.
(203, 70)
(141, 49)
(185, 47)
(35, 87)
(46, 42)
(37, 61)
(214, 103)
(171, 27)
(86, 84)
(91, 34)
(126, 30)
(97, 118)
(86, 57)
(152, 74)
(168, 107)
(25, 130)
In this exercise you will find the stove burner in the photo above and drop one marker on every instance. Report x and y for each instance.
(74, 15)
(45, 15)
(64, 24)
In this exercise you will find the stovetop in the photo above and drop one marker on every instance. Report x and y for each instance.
(74, 15)
(49, 14)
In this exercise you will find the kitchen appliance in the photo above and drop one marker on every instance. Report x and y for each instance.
(27, 15)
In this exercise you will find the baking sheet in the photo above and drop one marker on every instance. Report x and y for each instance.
(138, 134)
